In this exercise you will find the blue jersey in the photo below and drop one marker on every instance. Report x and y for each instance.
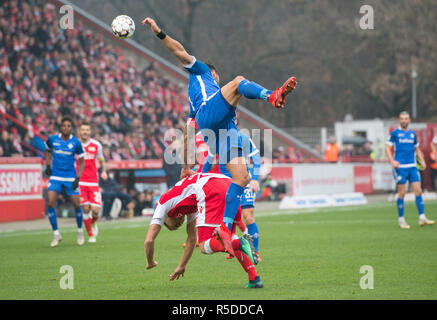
(201, 85)
(405, 144)
(63, 156)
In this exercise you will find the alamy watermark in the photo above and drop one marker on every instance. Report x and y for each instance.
(67, 20)
(366, 281)
(67, 280)
(367, 21)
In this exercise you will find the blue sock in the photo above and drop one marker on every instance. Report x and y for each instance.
(254, 232)
(53, 218)
(233, 199)
(419, 204)
(252, 90)
(79, 217)
(400, 203)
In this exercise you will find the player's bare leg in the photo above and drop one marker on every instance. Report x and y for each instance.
(75, 199)
(52, 197)
(423, 220)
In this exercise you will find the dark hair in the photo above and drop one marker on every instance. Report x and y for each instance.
(211, 67)
(67, 118)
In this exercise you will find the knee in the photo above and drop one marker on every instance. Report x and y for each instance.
(237, 80)
(401, 194)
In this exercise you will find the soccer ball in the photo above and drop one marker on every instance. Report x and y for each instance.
(123, 27)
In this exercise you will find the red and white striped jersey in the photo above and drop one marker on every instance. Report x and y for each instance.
(200, 196)
(93, 152)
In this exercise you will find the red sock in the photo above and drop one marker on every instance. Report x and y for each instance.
(246, 264)
(87, 223)
(215, 245)
(242, 226)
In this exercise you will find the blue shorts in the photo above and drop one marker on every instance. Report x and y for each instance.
(248, 199)
(401, 175)
(55, 185)
(215, 120)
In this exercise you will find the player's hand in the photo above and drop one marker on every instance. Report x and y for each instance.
(104, 175)
(395, 164)
(150, 266)
(48, 171)
(177, 273)
(152, 24)
(423, 166)
(254, 186)
(185, 172)
(75, 183)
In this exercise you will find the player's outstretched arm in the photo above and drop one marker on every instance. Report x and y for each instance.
(171, 44)
(149, 245)
(421, 158)
(190, 244)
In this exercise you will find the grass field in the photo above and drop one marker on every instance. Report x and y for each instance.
(310, 255)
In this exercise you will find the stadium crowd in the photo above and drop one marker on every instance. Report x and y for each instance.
(47, 72)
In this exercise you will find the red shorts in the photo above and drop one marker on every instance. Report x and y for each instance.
(90, 195)
(204, 233)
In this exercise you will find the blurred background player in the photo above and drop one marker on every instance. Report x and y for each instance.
(217, 114)
(200, 197)
(90, 196)
(60, 167)
(406, 147)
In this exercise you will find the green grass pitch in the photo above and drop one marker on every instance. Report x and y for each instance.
(315, 254)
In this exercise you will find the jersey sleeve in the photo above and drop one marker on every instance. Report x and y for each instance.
(391, 139)
(79, 149)
(100, 151)
(416, 141)
(159, 215)
(49, 143)
(197, 67)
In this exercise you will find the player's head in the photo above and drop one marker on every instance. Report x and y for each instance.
(84, 131)
(404, 119)
(214, 72)
(66, 125)
(174, 223)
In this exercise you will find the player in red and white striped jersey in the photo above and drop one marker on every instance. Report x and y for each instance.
(200, 198)
(90, 196)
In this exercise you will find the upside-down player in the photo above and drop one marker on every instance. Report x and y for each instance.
(200, 197)
(60, 166)
(213, 109)
(90, 196)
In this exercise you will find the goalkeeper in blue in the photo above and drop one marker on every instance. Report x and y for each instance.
(405, 169)
(212, 109)
(60, 153)
(253, 160)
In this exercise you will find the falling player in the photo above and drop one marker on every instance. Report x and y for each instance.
(200, 197)
(60, 166)
(91, 198)
(405, 168)
(213, 109)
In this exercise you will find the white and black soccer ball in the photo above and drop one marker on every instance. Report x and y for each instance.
(123, 27)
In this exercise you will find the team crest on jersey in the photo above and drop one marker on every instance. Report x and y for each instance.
(412, 135)
(70, 146)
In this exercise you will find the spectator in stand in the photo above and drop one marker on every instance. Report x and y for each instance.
(6, 144)
(332, 150)
(111, 190)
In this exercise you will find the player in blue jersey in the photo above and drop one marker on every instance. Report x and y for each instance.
(405, 169)
(213, 109)
(61, 150)
(251, 155)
